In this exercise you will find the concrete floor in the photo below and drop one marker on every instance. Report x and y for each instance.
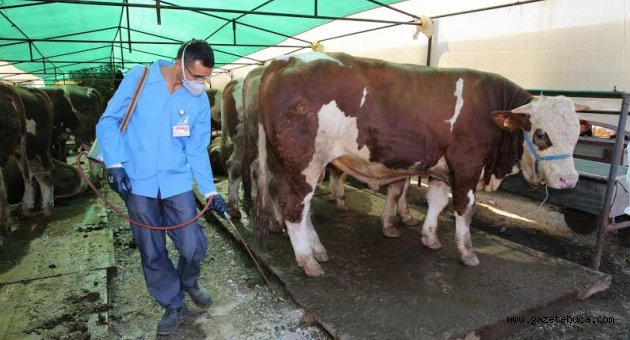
(53, 274)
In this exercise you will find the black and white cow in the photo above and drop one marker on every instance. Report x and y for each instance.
(39, 115)
(77, 110)
(12, 145)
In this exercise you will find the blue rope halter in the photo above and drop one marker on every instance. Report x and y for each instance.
(531, 148)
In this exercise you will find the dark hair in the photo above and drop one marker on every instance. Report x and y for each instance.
(197, 50)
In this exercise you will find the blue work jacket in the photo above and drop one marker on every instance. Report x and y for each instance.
(154, 159)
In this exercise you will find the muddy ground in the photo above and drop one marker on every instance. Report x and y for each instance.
(245, 308)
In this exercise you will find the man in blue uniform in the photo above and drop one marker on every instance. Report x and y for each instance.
(152, 167)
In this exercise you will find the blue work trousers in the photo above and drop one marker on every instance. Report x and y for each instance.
(166, 283)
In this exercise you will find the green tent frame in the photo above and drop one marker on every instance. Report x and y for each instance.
(52, 38)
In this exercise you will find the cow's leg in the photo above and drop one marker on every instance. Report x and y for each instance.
(394, 190)
(246, 177)
(318, 248)
(28, 199)
(234, 182)
(96, 174)
(304, 239)
(43, 174)
(403, 206)
(464, 206)
(437, 199)
(4, 211)
(301, 236)
(336, 183)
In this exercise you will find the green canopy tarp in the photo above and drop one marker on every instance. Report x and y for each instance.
(49, 38)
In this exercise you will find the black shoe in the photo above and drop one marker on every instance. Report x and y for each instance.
(200, 296)
(171, 319)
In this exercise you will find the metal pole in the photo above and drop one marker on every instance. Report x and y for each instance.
(122, 55)
(157, 9)
(155, 35)
(30, 49)
(128, 26)
(61, 36)
(612, 175)
(140, 42)
(232, 11)
(234, 31)
(394, 9)
(518, 3)
(59, 55)
(429, 43)
(359, 32)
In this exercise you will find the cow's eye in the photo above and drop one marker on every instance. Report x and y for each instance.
(541, 140)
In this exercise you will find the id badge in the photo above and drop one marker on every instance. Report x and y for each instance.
(181, 130)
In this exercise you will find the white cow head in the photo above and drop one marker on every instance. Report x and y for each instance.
(550, 129)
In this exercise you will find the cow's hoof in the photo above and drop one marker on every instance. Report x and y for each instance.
(234, 213)
(320, 256)
(275, 227)
(342, 207)
(391, 232)
(410, 221)
(431, 243)
(312, 268)
(470, 260)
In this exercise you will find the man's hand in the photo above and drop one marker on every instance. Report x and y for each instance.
(119, 181)
(218, 205)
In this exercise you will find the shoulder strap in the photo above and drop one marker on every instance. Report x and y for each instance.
(134, 99)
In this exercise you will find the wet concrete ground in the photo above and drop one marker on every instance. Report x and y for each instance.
(53, 274)
(245, 308)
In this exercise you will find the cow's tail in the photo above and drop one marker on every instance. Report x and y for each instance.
(262, 205)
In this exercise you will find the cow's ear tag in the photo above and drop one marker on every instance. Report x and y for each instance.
(508, 120)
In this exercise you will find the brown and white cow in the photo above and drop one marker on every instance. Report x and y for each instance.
(214, 96)
(233, 138)
(240, 112)
(382, 122)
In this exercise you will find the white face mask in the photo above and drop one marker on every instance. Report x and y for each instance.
(195, 87)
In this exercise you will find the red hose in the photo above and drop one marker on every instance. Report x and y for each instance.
(122, 215)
